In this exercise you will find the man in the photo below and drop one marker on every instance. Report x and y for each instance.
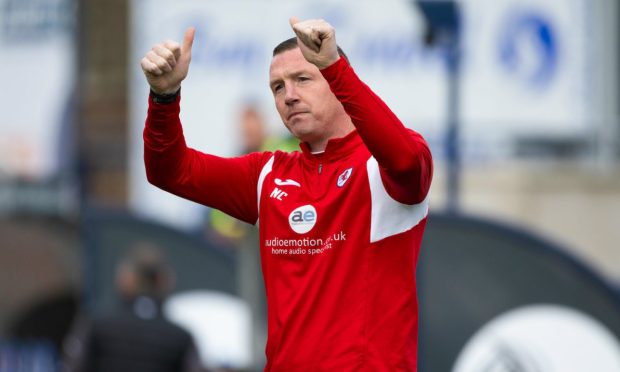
(138, 337)
(340, 222)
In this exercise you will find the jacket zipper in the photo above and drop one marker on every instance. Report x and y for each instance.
(320, 168)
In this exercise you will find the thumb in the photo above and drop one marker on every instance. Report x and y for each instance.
(188, 41)
(306, 37)
(293, 21)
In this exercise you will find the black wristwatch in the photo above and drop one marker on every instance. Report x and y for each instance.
(165, 98)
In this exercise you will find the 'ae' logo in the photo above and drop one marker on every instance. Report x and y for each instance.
(302, 219)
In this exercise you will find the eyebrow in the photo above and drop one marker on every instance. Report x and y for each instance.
(293, 75)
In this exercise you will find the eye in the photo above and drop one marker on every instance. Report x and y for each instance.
(276, 88)
(303, 78)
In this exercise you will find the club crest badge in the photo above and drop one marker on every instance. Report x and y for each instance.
(344, 177)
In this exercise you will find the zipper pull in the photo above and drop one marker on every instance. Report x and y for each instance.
(320, 168)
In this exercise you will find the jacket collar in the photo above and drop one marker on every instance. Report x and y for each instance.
(336, 148)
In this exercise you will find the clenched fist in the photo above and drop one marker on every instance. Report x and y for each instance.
(167, 64)
(317, 41)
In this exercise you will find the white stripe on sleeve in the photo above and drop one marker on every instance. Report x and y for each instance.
(261, 178)
(388, 216)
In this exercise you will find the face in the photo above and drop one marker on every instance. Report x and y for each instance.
(304, 101)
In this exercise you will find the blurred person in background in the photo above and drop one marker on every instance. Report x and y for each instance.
(137, 337)
(252, 128)
(341, 222)
(254, 133)
(253, 137)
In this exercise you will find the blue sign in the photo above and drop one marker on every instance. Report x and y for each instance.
(527, 36)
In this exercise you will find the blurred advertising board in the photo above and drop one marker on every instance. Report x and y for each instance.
(494, 297)
(526, 72)
(37, 70)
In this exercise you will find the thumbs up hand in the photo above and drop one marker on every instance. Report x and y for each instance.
(317, 41)
(166, 64)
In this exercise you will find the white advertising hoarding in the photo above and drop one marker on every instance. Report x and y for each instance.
(525, 71)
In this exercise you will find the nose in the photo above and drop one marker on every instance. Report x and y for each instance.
(290, 94)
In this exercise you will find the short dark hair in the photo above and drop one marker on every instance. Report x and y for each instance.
(290, 44)
(148, 266)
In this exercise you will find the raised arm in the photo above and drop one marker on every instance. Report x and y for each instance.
(403, 155)
(228, 184)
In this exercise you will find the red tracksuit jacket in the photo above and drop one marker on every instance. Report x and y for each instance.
(340, 231)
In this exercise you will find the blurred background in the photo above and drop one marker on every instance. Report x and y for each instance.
(519, 100)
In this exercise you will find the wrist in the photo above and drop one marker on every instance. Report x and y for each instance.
(164, 98)
(331, 62)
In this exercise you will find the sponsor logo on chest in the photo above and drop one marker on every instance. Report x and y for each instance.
(302, 219)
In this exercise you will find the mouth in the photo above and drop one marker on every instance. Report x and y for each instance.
(295, 114)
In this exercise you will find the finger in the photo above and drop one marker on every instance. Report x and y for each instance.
(158, 60)
(174, 47)
(166, 54)
(304, 35)
(149, 67)
(309, 39)
(188, 40)
(324, 31)
(315, 37)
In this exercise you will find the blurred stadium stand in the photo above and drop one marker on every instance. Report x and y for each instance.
(40, 285)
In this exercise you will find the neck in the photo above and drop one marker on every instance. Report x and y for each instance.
(319, 145)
